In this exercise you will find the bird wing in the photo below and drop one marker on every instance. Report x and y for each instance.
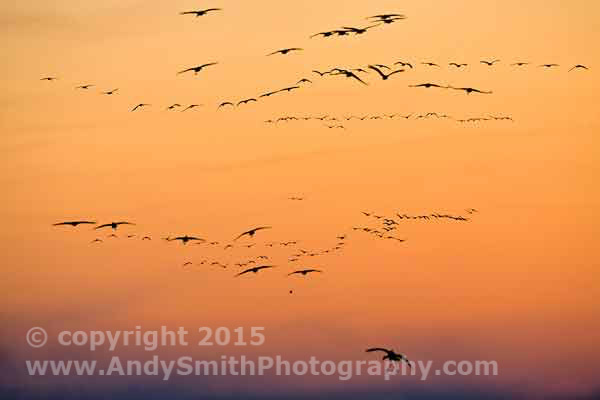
(353, 75)
(245, 271)
(377, 349)
(396, 71)
(185, 70)
(102, 226)
(374, 68)
(124, 223)
(208, 65)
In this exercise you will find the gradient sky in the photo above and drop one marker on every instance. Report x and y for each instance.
(516, 284)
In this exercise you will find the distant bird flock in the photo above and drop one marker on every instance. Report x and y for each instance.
(360, 75)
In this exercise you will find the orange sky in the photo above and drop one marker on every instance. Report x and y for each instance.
(516, 284)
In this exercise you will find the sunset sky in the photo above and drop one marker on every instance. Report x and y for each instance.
(517, 283)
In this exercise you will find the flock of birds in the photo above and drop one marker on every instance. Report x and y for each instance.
(332, 122)
(382, 71)
(358, 74)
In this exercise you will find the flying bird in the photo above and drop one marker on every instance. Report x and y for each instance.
(470, 90)
(173, 106)
(430, 64)
(197, 69)
(359, 31)
(48, 78)
(255, 269)
(186, 238)
(489, 63)
(387, 16)
(191, 106)
(391, 355)
(285, 51)
(114, 225)
(384, 76)
(549, 65)
(288, 89)
(457, 65)
(324, 34)
(84, 86)
(199, 13)
(578, 66)
(519, 64)
(348, 74)
(74, 223)
(251, 232)
(304, 272)
(225, 103)
(321, 73)
(303, 80)
(109, 92)
(140, 106)
(429, 85)
(404, 64)
(246, 101)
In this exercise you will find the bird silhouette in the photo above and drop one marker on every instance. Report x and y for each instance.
(109, 92)
(199, 13)
(185, 239)
(429, 85)
(48, 78)
(252, 232)
(173, 106)
(285, 51)
(430, 64)
(390, 355)
(470, 90)
(255, 269)
(304, 272)
(359, 31)
(489, 63)
(321, 73)
(384, 76)
(386, 16)
(457, 65)
(246, 101)
(84, 86)
(288, 89)
(303, 80)
(191, 106)
(74, 223)
(519, 64)
(225, 103)
(404, 64)
(114, 225)
(324, 34)
(578, 66)
(548, 65)
(139, 106)
(197, 68)
(348, 74)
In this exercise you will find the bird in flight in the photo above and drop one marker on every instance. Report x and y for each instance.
(303, 80)
(348, 74)
(324, 34)
(285, 51)
(430, 64)
(404, 64)
(109, 92)
(321, 73)
(225, 103)
(469, 90)
(74, 223)
(84, 86)
(549, 65)
(457, 65)
(578, 66)
(489, 63)
(304, 272)
(251, 232)
(246, 101)
(255, 269)
(186, 238)
(359, 31)
(387, 16)
(48, 78)
(391, 355)
(114, 225)
(191, 106)
(96, 241)
(519, 64)
(197, 68)
(173, 106)
(140, 106)
(199, 13)
(429, 85)
(288, 89)
(384, 76)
